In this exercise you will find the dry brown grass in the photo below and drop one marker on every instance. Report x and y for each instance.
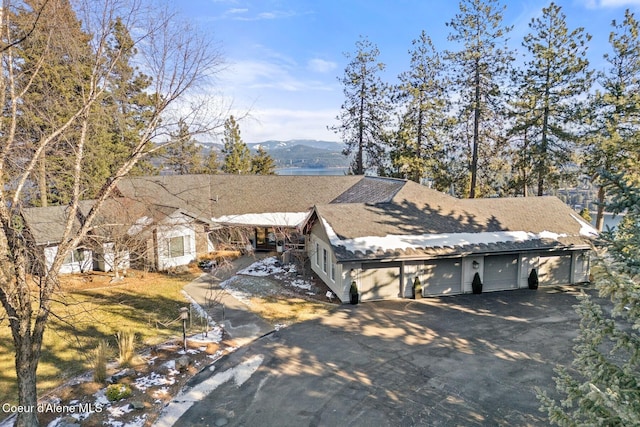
(89, 309)
(280, 310)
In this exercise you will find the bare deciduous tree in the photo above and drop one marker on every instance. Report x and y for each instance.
(174, 56)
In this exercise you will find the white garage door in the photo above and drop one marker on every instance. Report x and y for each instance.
(379, 282)
(554, 270)
(500, 272)
(441, 277)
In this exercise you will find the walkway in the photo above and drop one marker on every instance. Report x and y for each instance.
(238, 321)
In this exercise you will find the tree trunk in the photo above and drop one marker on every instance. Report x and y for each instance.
(476, 133)
(26, 365)
(42, 180)
(600, 215)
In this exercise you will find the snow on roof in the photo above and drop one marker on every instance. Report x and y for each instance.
(586, 229)
(404, 242)
(270, 219)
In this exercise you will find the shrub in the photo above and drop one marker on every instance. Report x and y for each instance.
(99, 362)
(117, 392)
(126, 346)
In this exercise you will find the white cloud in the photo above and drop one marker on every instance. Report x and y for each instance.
(285, 124)
(265, 74)
(321, 66)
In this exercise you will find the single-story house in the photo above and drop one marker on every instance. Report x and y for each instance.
(263, 212)
(386, 235)
(126, 232)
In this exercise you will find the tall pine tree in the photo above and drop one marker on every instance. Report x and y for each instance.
(262, 163)
(418, 146)
(614, 145)
(364, 114)
(237, 157)
(602, 387)
(182, 155)
(555, 76)
(478, 70)
(55, 48)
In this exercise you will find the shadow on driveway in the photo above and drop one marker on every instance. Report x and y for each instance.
(463, 360)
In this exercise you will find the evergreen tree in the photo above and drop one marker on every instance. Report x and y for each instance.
(364, 114)
(478, 71)
(614, 145)
(210, 164)
(262, 163)
(182, 155)
(237, 157)
(418, 146)
(57, 46)
(128, 107)
(602, 388)
(522, 134)
(555, 76)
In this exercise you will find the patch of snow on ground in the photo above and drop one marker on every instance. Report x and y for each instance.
(118, 411)
(243, 297)
(154, 379)
(264, 267)
(215, 333)
(101, 398)
(302, 284)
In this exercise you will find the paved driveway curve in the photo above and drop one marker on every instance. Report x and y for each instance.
(463, 360)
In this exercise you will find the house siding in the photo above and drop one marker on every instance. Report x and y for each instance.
(79, 266)
(175, 227)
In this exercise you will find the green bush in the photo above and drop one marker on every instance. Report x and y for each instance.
(116, 392)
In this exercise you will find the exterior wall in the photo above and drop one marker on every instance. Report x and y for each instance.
(203, 243)
(105, 258)
(79, 266)
(175, 227)
(323, 263)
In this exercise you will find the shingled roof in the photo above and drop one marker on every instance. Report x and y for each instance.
(419, 221)
(46, 224)
(216, 196)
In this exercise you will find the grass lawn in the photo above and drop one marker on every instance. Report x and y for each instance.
(89, 309)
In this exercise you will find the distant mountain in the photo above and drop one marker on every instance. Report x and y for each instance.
(274, 145)
(304, 153)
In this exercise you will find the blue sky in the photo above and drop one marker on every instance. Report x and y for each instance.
(284, 56)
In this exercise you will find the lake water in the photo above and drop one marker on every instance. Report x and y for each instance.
(609, 220)
(311, 171)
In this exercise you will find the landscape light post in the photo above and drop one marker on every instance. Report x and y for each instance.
(184, 315)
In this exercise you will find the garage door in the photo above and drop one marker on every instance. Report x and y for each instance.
(500, 272)
(380, 282)
(442, 277)
(554, 270)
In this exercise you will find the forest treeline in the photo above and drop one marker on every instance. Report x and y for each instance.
(486, 120)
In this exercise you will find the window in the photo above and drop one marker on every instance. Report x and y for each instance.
(333, 272)
(317, 254)
(176, 246)
(324, 260)
(76, 255)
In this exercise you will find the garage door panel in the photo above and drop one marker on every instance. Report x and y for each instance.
(555, 270)
(380, 283)
(500, 272)
(441, 277)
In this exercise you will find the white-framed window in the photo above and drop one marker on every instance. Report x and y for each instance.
(177, 246)
(333, 272)
(76, 255)
(324, 260)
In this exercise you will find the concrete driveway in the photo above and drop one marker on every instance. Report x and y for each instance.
(462, 360)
